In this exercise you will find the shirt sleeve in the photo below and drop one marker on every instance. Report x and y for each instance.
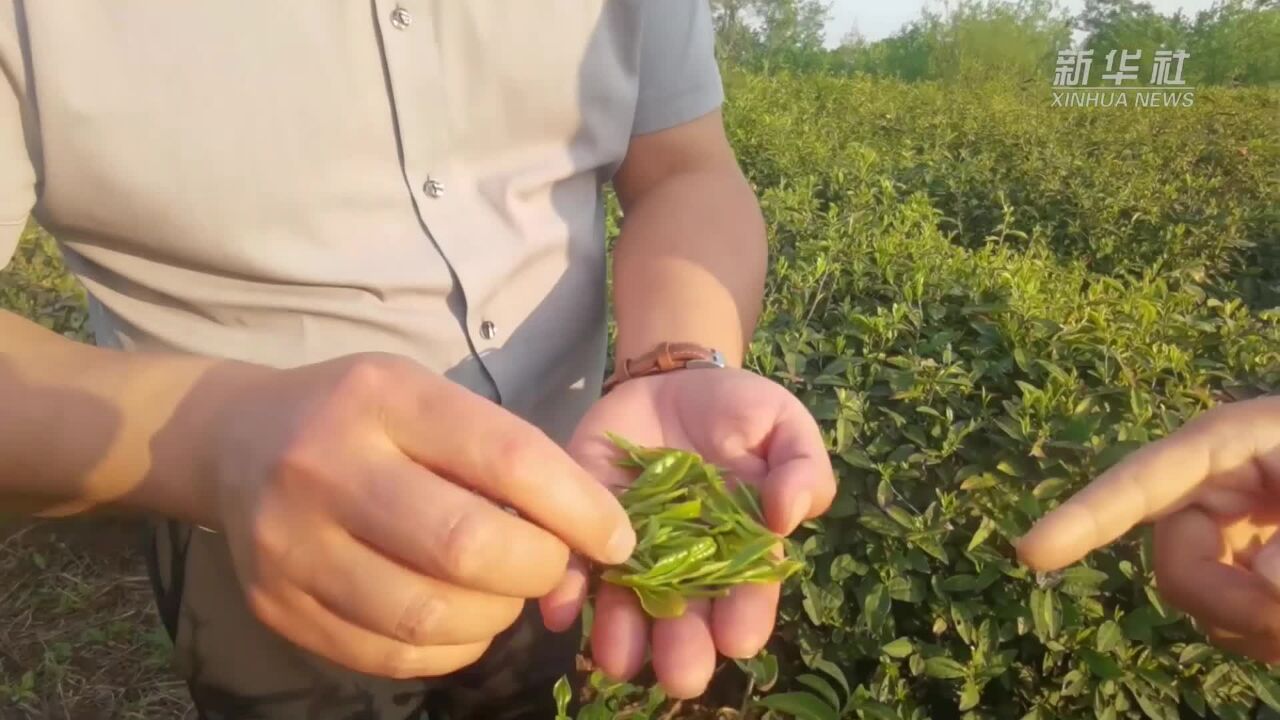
(17, 176)
(679, 77)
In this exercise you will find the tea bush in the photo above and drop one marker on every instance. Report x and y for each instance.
(1124, 190)
(36, 285)
(986, 302)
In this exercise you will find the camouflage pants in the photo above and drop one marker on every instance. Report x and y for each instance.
(237, 669)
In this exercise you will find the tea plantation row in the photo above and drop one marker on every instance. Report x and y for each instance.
(986, 301)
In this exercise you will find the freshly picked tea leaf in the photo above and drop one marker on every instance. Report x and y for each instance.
(696, 536)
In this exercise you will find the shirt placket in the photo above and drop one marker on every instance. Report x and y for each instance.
(416, 78)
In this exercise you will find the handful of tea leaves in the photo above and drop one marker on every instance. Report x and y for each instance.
(695, 536)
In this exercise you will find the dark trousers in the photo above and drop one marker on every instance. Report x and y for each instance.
(238, 669)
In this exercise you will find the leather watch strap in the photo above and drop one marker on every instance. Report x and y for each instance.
(666, 357)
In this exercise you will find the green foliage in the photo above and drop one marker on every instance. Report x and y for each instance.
(1234, 42)
(763, 32)
(976, 41)
(610, 700)
(986, 302)
(36, 286)
(563, 694)
(1127, 25)
(1184, 194)
(1237, 42)
(696, 536)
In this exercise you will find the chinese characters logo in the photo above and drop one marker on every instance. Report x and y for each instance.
(1121, 80)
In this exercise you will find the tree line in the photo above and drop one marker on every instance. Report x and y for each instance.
(1235, 42)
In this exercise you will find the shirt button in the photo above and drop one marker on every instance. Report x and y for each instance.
(433, 187)
(488, 330)
(401, 18)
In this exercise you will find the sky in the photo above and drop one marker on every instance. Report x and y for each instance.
(877, 18)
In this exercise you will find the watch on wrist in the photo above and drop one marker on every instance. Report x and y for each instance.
(666, 357)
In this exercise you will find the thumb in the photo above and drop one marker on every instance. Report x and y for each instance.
(597, 454)
(1236, 445)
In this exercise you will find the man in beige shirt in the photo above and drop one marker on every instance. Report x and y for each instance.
(346, 267)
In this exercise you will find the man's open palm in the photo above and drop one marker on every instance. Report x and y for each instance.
(760, 434)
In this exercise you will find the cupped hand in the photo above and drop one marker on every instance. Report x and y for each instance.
(759, 433)
(1212, 489)
(361, 499)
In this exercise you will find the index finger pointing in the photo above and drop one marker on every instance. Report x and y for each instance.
(1157, 479)
(1121, 498)
(477, 444)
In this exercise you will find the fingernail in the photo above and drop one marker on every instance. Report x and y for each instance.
(1267, 564)
(621, 543)
(798, 509)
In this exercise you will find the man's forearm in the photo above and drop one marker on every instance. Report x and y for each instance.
(83, 427)
(690, 265)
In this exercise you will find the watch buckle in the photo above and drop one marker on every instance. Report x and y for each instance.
(715, 361)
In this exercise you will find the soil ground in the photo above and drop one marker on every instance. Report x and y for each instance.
(79, 635)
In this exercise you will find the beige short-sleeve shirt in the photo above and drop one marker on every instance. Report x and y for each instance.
(286, 182)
